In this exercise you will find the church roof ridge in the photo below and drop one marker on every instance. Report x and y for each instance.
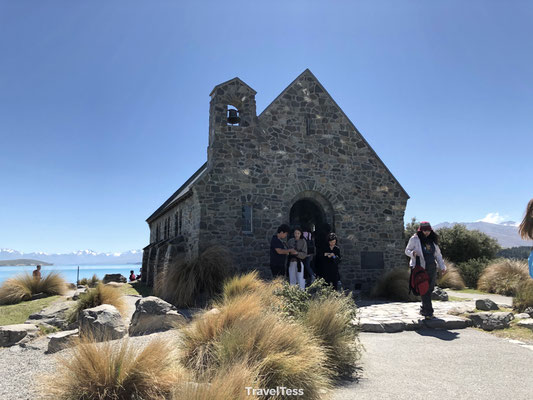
(237, 79)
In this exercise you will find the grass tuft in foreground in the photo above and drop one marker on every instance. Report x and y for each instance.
(22, 287)
(524, 296)
(394, 285)
(452, 279)
(101, 294)
(503, 276)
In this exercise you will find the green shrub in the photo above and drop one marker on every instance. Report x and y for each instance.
(101, 371)
(524, 296)
(394, 285)
(192, 283)
(101, 294)
(459, 244)
(471, 270)
(452, 278)
(503, 276)
(22, 287)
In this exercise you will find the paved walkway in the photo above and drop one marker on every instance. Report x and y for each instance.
(502, 301)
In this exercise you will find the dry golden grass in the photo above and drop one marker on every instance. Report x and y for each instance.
(503, 276)
(332, 321)
(185, 283)
(394, 285)
(244, 331)
(242, 284)
(452, 278)
(229, 384)
(101, 294)
(524, 295)
(23, 286)
(102, 371)
(91, 282)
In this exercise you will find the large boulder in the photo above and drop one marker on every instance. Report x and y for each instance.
(15, 334)
(61, 340)
(439, 294)
(491, 321)
(153, 314)
(486, 305)
(102, 323)
(55, 315)
(114, 278)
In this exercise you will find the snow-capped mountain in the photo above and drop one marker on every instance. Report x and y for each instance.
(76, 258)
(506, 233)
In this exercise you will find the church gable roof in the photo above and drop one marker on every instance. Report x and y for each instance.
(230, 82)
(308, 75)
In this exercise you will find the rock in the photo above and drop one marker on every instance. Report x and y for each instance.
(529, 311)
(114, 278)
(61, 340)
(393, 326)
(13, 334)
(447, 322)
(102, 323)
(38, 296)
(153, 314)
(439, 294)
(368, 325)
(491, 321)
(526, 323)
(486, 305)
(55, 315)
(115, 284)
(522, 316)
(79, 292)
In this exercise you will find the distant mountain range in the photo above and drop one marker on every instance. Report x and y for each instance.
(76, 258)
(506, 233)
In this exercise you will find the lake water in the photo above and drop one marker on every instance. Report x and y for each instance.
(69, 272)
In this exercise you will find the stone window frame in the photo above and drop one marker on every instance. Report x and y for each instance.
(178, 222)
(244, 219)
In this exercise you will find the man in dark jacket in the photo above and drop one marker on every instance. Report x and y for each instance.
(279, 251)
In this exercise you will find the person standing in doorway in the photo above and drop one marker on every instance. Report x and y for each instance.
(279, 251)
(526, 232)
(331, 258)
(310, 256)
(424, 251)
(296, 261)
(37, 273)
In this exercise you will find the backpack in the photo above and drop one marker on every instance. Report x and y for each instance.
(419, 280)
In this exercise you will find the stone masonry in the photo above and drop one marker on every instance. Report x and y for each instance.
(300, 153)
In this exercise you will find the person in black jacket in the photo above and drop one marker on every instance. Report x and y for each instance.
(330, 260)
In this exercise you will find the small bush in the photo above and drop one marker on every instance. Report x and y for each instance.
(394, 285)
(22, 287)
(243, 331)
(524, 296)
(459, 244)
(101, 371)
(91, 282)
(191, 283)
(242, 284)
(452, 278)
(471, 270)
(503, 276)
(101, 294)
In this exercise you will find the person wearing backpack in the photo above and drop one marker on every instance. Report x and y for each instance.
(424, 246)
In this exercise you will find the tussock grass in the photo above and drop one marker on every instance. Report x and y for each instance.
(243, 331)
(503, 276)
(101, 294)
(524, 296)
(98, 371)
(91, 282)
(394, 285)
(332, 321)
(452, 279)
(242, 284)
(23, 286)
(191, 283)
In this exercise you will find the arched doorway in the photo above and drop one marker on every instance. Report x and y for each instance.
(307, 214)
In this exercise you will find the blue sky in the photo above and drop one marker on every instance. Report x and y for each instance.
(104, 105)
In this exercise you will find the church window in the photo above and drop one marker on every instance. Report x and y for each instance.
(247, 219)
(157, 233)
(178, 222)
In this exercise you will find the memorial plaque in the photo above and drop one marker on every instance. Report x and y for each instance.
(372, 260)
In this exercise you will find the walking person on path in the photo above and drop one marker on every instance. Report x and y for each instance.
(526, 231)
(296, 261)
(279, 251)
(423, 246)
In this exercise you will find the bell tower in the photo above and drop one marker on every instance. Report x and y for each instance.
(232, 110)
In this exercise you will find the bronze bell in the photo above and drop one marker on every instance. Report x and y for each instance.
(233, 116)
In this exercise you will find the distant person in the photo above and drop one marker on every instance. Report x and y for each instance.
(37, 273)
(308, 262)
(424, 250)
(296, 261)
(526, 231)
(279, 251)
(132, 276)
(331, 258)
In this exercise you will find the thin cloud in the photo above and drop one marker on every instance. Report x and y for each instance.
(493, 218)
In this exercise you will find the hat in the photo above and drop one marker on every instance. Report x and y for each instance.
(425, 226)
(332, 236)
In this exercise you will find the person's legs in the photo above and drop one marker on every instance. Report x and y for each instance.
(427, 306)
(293, 280)
(300, 276)
(307, 264)
(277, 271)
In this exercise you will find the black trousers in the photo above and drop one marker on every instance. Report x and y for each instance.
(427, 307)
(277, 270)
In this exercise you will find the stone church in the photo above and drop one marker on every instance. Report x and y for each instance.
(301, 162)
